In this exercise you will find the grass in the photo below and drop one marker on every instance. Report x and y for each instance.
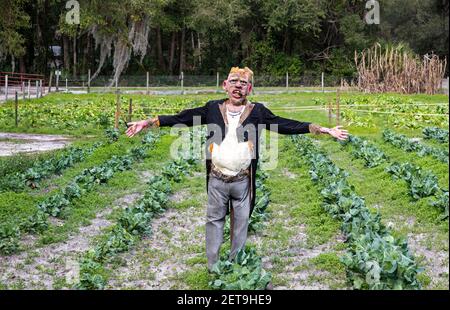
(295, 201)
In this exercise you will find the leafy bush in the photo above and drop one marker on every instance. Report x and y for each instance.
(112, 134)
(408, 145)
(371, 155)
(442, 203)
(9, 238)
(421, 183)
(435, 133)
(245, 272)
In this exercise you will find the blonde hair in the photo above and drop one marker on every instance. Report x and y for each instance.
(240, 71)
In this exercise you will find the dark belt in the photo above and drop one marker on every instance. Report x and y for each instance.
(228, 178)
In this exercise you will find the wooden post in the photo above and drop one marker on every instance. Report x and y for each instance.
(16, 106)
(41, 88)
(287, 80)
(50, 82)
(6, 88)
(37, 89)
(130, 110)
(23, 90)
(182, 83)
(57, 82)
(322, 83)
(29, 89)
(147, 83)
(329, 113)
(67, 87)
(89, 81)
(117, 114)
(338, 99)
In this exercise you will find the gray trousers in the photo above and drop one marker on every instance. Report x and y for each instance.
(219, 193)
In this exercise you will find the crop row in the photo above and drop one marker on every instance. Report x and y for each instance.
(60, 112)
(408, 145)
(421, 183)
(435, 133)
(397, 112)
(132, 224)
(362, 149)
(375, 259)
(84, 182)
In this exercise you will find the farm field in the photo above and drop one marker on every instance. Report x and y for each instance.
(371, 213)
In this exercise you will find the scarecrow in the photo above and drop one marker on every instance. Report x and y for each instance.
(234, 128)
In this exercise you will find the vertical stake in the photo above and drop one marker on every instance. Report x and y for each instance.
(6, 88)
(16, 106)
(116, 116)
(89, 81)
(322, 83)
(130, 110)
(338, 99)
(182, 83)
(147, 83)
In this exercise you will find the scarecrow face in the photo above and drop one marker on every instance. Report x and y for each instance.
(237, 86)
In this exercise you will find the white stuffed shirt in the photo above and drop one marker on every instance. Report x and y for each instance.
(231, 156)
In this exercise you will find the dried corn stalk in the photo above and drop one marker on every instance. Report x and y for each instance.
(391, 69)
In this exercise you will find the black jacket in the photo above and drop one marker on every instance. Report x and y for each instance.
(255, 118)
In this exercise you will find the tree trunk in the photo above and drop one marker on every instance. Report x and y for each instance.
(159, 49)
(172, 51)
(22, 68)
(182, 48)
(75, 56)
(66, 52)
(13, 63)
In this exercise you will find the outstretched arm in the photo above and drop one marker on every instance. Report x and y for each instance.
(290, 126)
(185, 117)
(336, 132)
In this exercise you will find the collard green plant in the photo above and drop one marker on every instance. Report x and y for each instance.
(374, 258)
(435, 133)
(244, 272)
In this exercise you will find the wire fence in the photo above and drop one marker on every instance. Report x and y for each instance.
(139, 82)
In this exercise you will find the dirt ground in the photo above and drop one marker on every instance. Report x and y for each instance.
(15, 143)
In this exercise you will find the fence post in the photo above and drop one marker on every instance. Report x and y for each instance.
(23, 90)
(182, 83)
(37, 86)
(29, 89)
(117, 114)
(338, 99)
(329, 113)
(57, 82)
(147, 83)
(322, 83)
(89, 81)
(16, 107)
(67, 88)
(6, 88)
(287, 80)
(50, 82)
(130, 110)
